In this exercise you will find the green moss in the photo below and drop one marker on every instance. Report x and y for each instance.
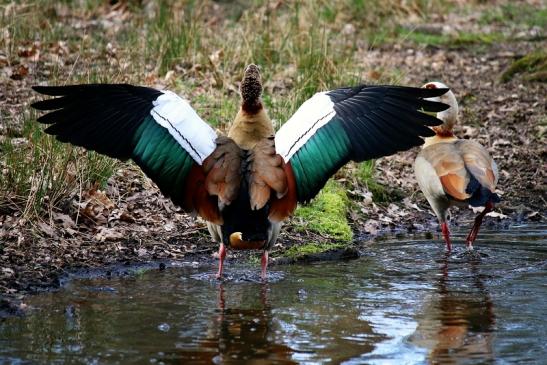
(533, 66)
(311, 248)
(327, 213)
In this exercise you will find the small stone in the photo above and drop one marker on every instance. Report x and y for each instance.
(164, 327)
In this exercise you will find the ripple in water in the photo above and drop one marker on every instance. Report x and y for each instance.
(405, 301)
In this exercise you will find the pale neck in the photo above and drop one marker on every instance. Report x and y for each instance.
(438, 139)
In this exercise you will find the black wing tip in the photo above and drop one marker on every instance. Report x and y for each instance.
(44, 90)
(435, 92)
(84, 90)
(51, 90)
(433, 107)
(53, 103)
(410, 91)
(45, 119)
(39, 105)
(420, 92)
(47, 104)
(65, 89)
(431, 121)
(398, 91)
(41, 88)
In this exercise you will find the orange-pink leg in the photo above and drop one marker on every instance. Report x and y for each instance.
(446, 235)
(264, 264)
(478, 221)
(221, 257)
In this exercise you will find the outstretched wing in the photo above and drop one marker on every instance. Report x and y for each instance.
(356, 123)
(157, 129)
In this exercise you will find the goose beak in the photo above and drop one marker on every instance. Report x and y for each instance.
(235, 237)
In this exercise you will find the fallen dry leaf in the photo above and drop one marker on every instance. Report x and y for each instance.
(109, 234)
(97, 206)
(64, 219)
(371, 226)
(46, 229)
(409, 204)
(19, 72)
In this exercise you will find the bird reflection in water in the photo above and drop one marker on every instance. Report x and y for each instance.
(458, 323)
(239, 335)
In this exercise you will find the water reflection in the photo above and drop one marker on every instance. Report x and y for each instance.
(458, 321)
(403, 303)
(235, 335)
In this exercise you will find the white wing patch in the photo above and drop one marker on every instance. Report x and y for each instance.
(312, 115)
(181, 120)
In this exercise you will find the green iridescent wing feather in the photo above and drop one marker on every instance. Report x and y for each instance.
(162, 158)
(322, 155)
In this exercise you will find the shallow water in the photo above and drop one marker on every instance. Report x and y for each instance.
(406, 302)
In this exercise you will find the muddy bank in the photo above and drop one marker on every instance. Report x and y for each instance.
(45, 270)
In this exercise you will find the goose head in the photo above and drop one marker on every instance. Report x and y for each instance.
(448, 116)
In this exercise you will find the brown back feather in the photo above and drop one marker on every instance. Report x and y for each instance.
(479, 162)
(266, 173)
(197, 199)
(282, 208)
(455, 160)
(454, 185)
(223, 170)
(450, 168)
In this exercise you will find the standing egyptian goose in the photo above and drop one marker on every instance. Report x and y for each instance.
(246, 183)
(452, 171)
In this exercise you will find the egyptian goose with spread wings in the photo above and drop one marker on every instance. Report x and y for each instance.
(246, 183)
(452, 171)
